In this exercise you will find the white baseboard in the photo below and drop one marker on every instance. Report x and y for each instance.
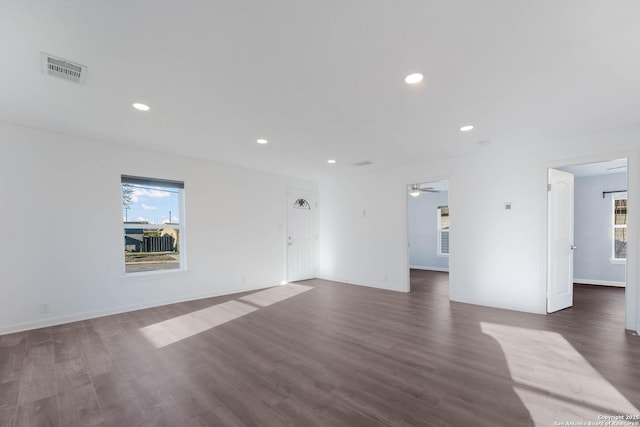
(367, 285)
(483, 303)
(600, 282)
(60, 320)
(422, 267)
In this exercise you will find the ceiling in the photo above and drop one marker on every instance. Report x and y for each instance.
(595, 169)
(435, 185)
(323, 80)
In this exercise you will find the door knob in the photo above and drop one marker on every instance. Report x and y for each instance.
(573, 247)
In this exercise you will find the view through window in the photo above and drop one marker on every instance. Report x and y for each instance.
(620, 226)
(153, 217)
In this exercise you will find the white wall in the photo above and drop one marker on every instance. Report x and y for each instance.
(593, 232)
(498, 257)
(423, 231)
(359, 231)
(66, 190)
(60, 206)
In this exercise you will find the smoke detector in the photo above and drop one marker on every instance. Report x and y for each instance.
(63, 68)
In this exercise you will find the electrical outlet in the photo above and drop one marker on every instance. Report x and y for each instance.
(44, 307)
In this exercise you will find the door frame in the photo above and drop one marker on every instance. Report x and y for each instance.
(632, 322)
(406, 287)
(316, 219)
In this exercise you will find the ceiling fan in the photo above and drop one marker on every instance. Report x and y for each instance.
(416, 190)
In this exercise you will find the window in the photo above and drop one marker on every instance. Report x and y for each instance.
(619, 226)
(443, 230)
(153, 224)
(301, 204)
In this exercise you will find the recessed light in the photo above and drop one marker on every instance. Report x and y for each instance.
(141, 107)
(413, 78)
(331, 161)
(262, 141)
(466, 128)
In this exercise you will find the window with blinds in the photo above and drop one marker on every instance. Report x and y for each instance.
(619, 226)
(443, 230)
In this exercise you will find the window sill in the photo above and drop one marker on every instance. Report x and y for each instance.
(617, 261)
(153, 275)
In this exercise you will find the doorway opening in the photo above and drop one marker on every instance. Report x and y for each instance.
(428, 229)
(587, 240)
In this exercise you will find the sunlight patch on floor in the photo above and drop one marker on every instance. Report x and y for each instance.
(178, 328)
(173, 330)
(560, 385)
(273, 295)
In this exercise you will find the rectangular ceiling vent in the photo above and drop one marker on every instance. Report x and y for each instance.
(363, 163)
(63, 68)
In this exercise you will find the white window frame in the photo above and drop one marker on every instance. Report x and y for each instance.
(441, 231)
(181, 227)
(614, 226)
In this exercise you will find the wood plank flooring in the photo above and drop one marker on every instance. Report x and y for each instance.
(329, 355)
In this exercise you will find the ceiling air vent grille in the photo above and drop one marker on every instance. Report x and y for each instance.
(363, 163)
(63, 68)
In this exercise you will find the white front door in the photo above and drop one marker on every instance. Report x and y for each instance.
(302, 236)
(560, 238)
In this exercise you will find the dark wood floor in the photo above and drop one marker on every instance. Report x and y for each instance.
(329, 355)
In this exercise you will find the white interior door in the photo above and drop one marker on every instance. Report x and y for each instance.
(302, 236)
(560, 227)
